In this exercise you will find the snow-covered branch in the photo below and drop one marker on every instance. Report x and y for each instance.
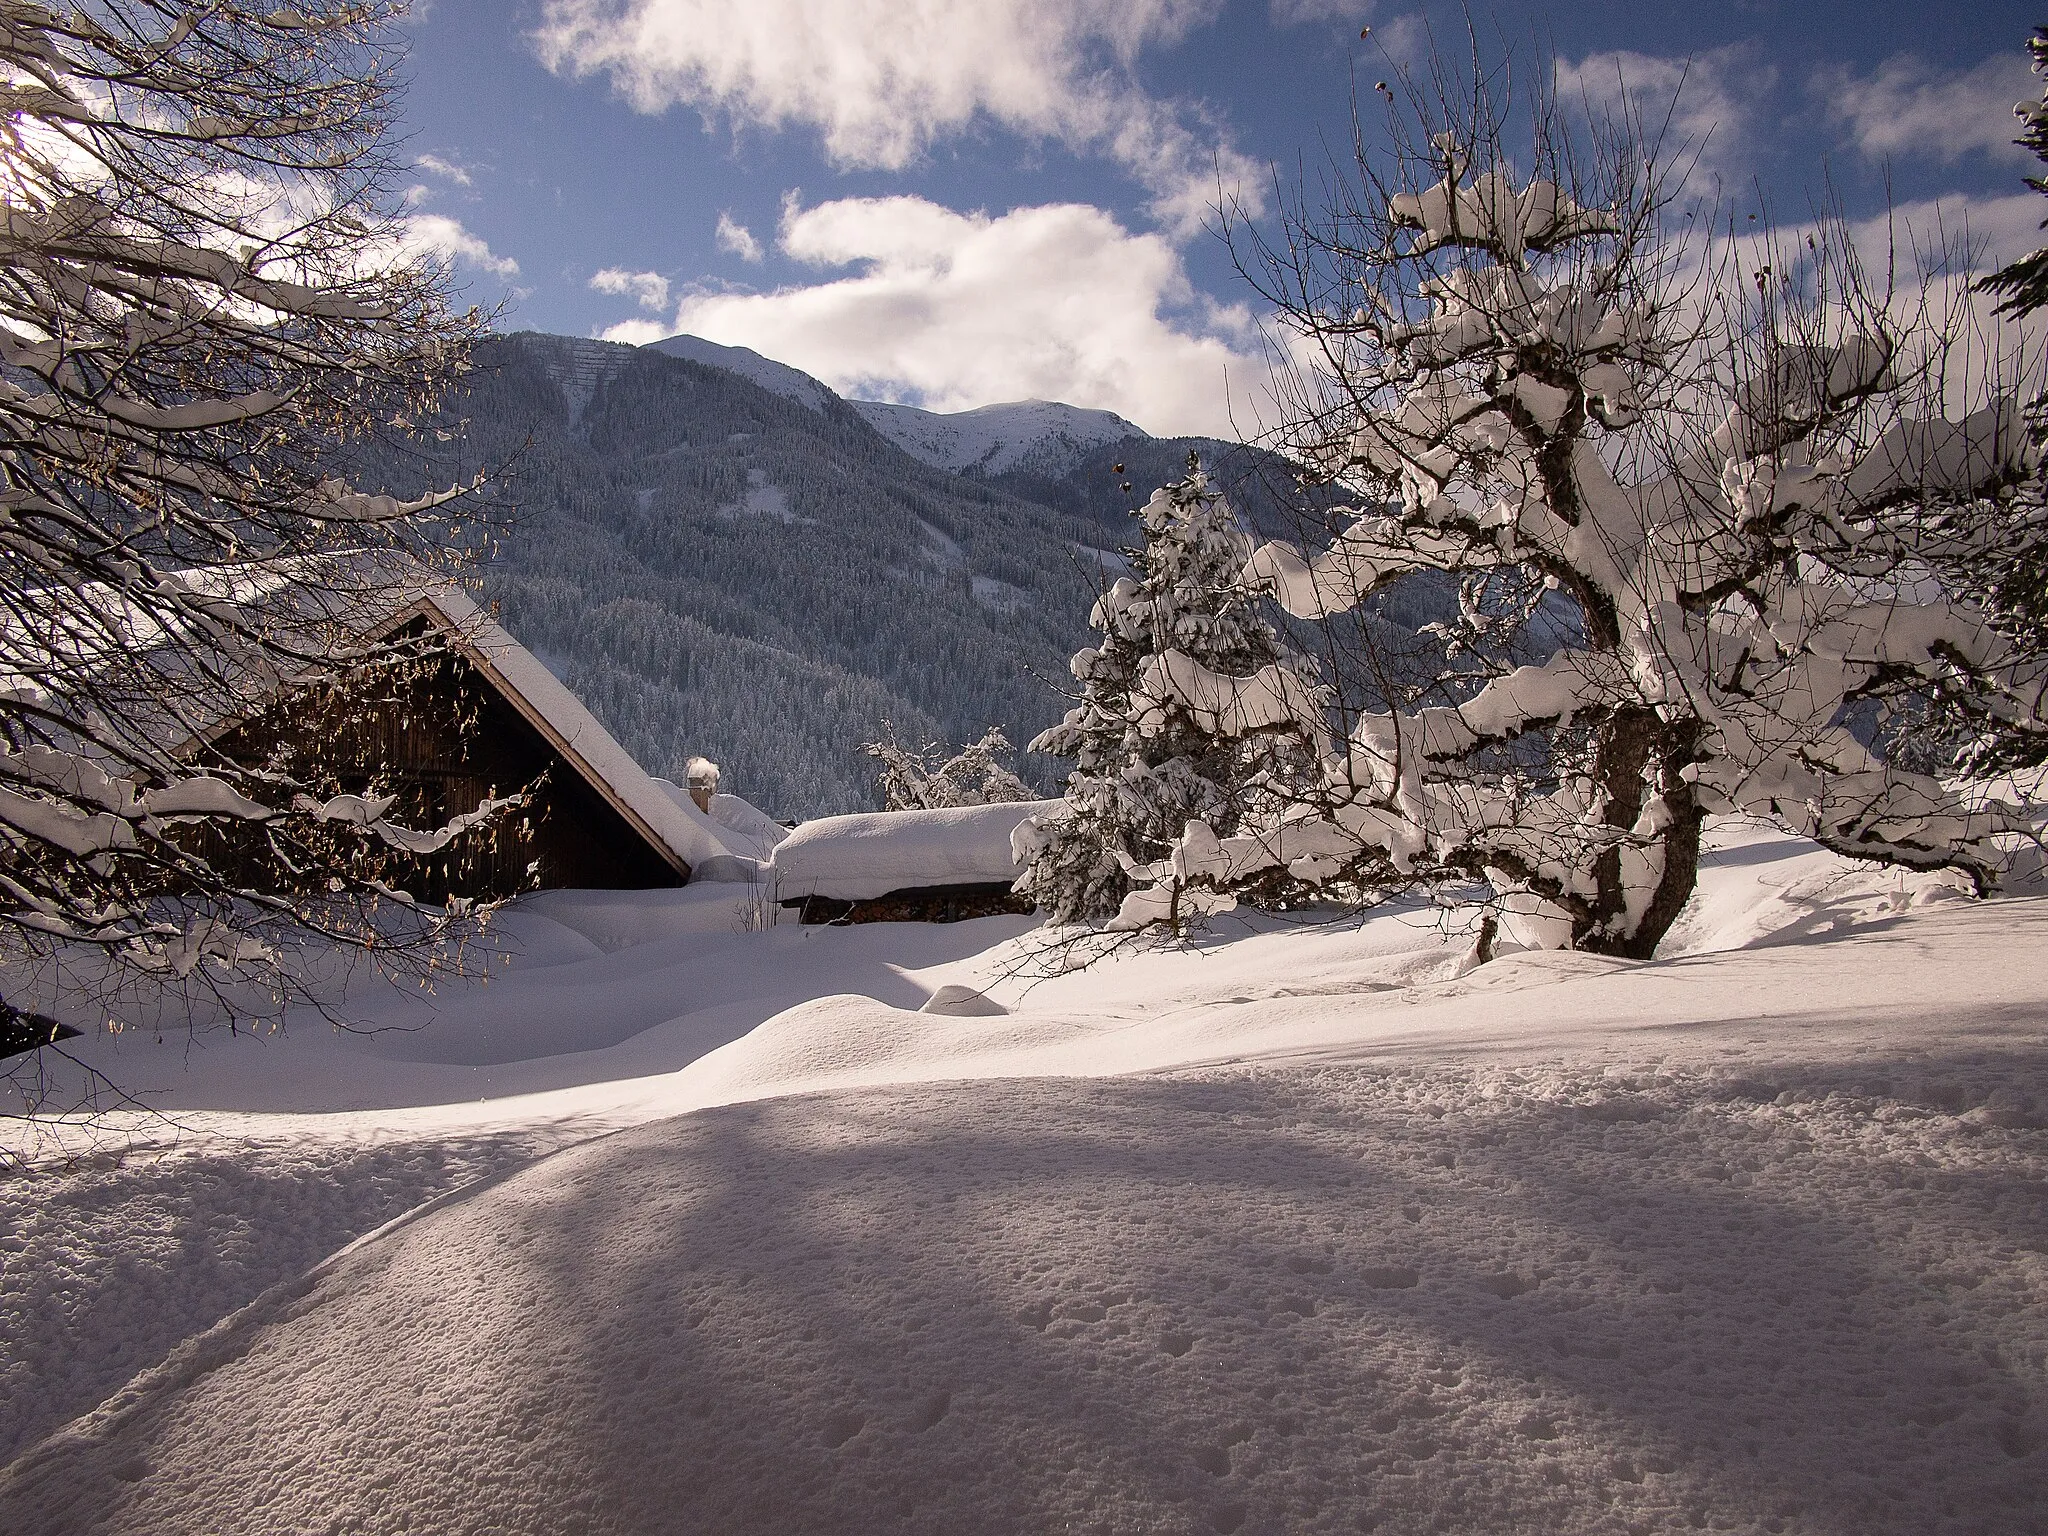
(1741, 490)
(202, 316)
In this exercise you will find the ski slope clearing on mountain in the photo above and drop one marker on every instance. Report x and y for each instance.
(1041, 437)
(1356, 1237)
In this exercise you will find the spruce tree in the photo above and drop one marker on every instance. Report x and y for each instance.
(1146, 762)
(2025, 282)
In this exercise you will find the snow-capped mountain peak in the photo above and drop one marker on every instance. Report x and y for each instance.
(1041, 436)
(776, 378)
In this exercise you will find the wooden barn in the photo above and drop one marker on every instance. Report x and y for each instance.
(481, 719)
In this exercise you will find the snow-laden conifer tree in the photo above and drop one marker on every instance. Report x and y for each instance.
(1729, 456)
(204, 300)
(1152, 749)
(2023, 284)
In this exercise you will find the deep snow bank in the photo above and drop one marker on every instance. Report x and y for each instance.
(1400, 1299)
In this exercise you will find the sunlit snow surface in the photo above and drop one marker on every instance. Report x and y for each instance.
(1754, 1237)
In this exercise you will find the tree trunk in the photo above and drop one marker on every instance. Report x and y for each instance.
(1637, 755)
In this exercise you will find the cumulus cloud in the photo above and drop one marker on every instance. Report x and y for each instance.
(647, 289)
(447, 170)
(1909, 107)
(1702, 109)
(1923, 263)
(956, 310)
(438, 236)
(636, 333)
(882, 80)
(735, 237)
(1956, 242)
(1983, 233)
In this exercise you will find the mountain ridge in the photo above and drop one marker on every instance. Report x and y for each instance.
(719, 555)
(1045, 437)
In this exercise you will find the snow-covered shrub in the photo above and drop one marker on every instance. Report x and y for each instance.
(1188, 711)
(1728, 456)
(928, 778)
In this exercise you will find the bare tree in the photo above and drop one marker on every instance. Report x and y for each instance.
(206, 305)
(1713, 463)
(934, 777)
(2011, 571)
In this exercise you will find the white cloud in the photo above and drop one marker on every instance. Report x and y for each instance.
(1289, 13)
(636, 333)
(1909, 107)
(647, 289)
(883, 80)
(1991, 230)
(955, 310)
(735, 237)
(1922, 264)
(436, 235)
(1953, 243)
(447, 170)
(1699, 112)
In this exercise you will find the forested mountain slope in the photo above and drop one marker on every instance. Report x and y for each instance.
(721, 556)
(716, 568)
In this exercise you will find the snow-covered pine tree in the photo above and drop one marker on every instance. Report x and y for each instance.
(1150, 756)
(2024, 282)
(1730, 458)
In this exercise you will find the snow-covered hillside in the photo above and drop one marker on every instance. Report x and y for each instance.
(718, 558)
(1308, 1226)
(720, 568)
(776, 378)
(1041, 437)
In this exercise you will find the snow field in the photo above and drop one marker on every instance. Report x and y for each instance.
(1753, 1237)
(1401, 1299)
(598, 995)
(110, 1260)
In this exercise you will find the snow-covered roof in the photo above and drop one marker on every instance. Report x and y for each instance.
(856, 858)
(685, 835)
(373, 603)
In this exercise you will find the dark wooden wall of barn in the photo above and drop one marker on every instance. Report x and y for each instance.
(442, 738)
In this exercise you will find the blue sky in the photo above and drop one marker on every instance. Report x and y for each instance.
(955, 202)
